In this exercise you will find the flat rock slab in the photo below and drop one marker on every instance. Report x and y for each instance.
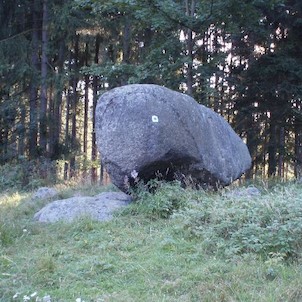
(249, 192)
(99, 207)
(45, 192)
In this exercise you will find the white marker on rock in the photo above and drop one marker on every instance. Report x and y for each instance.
(154, 118)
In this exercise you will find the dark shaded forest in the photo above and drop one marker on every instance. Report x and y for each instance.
(243, 59)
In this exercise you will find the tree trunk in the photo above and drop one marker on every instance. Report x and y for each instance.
(21, 136)
(298, 149)
(146, 39)
(74, 107)
(67, 144)
(1, 139)
(281, 152)
(43, 97)
(6, 123)
(190, 10)
(57, 106)
(272, 148)
(67, 118)
(5, 143)
(126, 40)
(250, 142)
(126, 45)
(33, 92)
(264, 160)
(86, 105)
(50, 114)
(95, 89)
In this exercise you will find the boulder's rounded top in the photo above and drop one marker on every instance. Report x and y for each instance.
(151, 90)
(139, 87)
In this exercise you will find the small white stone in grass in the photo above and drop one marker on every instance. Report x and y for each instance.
(33, 294)
(26, 298)
(46, 299)
(16, 295)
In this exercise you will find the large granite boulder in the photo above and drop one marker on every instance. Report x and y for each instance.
(145, 130)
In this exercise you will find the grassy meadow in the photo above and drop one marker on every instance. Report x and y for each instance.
(173, 245)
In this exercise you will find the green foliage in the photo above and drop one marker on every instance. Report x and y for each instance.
(242, 59)
(110, 72)
(7, 234)
(261, 225)
(157, 199)
(135, 258)
(27, 175)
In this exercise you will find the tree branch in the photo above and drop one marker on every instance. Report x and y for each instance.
(17, 35)
(182, 21)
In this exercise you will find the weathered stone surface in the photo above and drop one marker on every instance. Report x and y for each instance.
(45, 192)
(99, 207)
(151, 129)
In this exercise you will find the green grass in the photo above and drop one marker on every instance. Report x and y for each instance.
(140, 256)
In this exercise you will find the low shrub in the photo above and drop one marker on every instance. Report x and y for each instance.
(158, 199)
(262, 225)
(27, 175)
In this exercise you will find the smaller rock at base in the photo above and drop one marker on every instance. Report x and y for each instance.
(45, 192)
(248, 192)
(99, 207)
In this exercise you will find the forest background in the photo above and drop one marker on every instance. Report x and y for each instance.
(241, 58)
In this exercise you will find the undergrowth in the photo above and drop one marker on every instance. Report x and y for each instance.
(171, 244)
(157, 199)
(266, 225)
(27, 175)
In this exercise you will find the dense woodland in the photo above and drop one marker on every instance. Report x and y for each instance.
(242, 58)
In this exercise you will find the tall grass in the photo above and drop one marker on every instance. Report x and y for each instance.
(169, 245)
